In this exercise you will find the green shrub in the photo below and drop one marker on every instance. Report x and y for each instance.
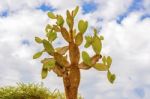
(29, 91)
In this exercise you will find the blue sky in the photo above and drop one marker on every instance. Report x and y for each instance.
(89, 7)
(136, 5)
(124, 25)
(45, 8)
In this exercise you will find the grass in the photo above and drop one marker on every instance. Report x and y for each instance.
(30, 91)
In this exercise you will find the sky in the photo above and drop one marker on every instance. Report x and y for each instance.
(123, 23)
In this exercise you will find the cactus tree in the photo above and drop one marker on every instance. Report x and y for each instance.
(69, 68)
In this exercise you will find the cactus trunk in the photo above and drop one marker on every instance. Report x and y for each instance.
(72, 77)
(71, 83)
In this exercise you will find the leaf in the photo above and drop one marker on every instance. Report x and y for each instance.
(88, 38)
(86, 58)
(104, 60)
(84, 66)
(68, 14)
(52, 36)
(100, 67)
(38, 40)
(69, 22)
(101, 38)
(95, 31)
(75, 11)
(109, 61)
(69, 19)
(82, 26)
(74, 33)
(48, 47)
(37, 55)
(45, 60)
(48, 27)
(62, 50)
(96, 44)
(48, 63)
(87, 45)
(111, 77)
(51, 15)
(65, 34)
(61, 60)
(44, 73)
(88, 41)
(79, 39)
(56, 28)
(108, 74)
(95, 59)
(60, 20)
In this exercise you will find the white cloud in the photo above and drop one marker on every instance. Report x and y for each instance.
(108, 10)
(17, 4)
(147, 6)
(127, 43)
(15, 28)
(129, 47)
(63, 4)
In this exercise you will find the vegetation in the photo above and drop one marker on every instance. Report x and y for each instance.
(69, 67)
(30, 91)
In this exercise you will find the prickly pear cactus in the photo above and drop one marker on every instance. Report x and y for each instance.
(58, 62)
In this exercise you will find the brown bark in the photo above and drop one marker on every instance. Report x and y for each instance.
(71, 78)
(71, 83)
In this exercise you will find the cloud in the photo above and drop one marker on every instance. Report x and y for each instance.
(140, 92)
(136, 5)
(129, 48)
(15, 33)
(110, 10)
(127, 43)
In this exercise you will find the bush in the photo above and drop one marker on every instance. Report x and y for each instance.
(29, 91)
